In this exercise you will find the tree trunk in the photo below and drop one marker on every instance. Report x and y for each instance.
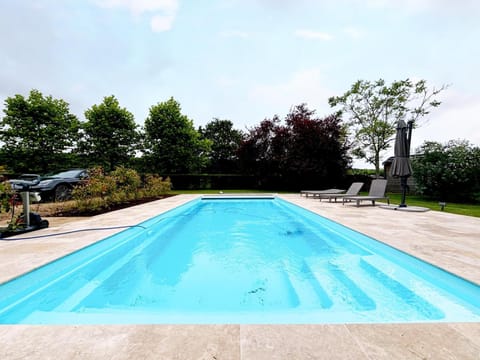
(377, 165)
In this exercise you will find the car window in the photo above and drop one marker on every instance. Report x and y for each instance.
(67, 174)
(28, 177)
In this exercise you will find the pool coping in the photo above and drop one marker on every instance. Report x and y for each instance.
(428, 236)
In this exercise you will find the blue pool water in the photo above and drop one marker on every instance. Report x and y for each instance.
(238, 261)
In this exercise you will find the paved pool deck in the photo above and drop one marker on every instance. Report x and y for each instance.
(451, 242)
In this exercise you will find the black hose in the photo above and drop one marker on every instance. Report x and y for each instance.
(74, 231)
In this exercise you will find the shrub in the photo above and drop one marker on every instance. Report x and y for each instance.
(103, 191)
(6, 197)
(448, 172)
(97, 185)
(6, 192)
(128, 182)
(155, 185)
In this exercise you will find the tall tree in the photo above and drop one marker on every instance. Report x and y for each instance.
(38, 133)
(305, 151)
(317, 146)
(172, 144)
(110, 134)
(375, 108)
(225, 142)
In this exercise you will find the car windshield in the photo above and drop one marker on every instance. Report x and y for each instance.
(28, 177)
(67, 174)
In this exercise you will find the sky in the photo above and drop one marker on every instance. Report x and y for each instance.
(243, 60)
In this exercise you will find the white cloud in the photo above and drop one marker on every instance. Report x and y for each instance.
(160, 23)
(409, 4)
(163, 12)
(418, 6)
(310, 34)
(138, 7)
(304, 86)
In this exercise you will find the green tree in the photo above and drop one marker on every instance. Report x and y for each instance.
(110, 135)
(448, 172)
(225, 142)
(374, 109)
(38, 133)
(172, 145)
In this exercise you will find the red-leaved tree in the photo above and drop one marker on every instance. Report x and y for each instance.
(303, 151)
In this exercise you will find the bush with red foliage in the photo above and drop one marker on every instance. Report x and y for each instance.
(303, 152)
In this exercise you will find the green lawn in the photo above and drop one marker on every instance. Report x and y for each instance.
(454, 208)
(412, 200)
(210, 191)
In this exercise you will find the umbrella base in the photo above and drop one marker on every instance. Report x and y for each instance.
(404, 208)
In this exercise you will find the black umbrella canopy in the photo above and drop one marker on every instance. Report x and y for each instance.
(401, 165)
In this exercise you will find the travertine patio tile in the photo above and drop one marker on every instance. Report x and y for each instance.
(202, 342)
(470, 331)
(270, 342)
(415, 341)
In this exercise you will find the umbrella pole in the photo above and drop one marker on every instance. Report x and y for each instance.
(409, 136)
(403, 183)
(403, 179)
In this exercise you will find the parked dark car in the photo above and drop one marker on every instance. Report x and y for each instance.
(58, 186)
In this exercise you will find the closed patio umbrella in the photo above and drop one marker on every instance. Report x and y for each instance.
(401, 166)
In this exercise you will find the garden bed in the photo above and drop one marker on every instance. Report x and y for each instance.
(68, 208)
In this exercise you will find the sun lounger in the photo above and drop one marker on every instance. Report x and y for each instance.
(353, 190)
(377, 192)
(316, 193)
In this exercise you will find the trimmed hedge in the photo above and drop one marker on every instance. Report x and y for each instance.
(270, 183)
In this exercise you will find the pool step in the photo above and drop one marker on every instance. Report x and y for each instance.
(65, 269)
(402, 284)
(388, 303)
(82, 293)
(310, 293)
(339, 286)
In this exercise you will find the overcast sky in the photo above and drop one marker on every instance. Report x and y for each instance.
(243, 60)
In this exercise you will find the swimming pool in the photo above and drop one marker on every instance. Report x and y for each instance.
(238, 261)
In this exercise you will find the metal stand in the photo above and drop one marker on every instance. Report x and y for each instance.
(28, 221)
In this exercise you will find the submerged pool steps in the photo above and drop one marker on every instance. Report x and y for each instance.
(25, 292)
(410, 299)
(85, 291)
(310, 292)
(368, 276)
(339, 286)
